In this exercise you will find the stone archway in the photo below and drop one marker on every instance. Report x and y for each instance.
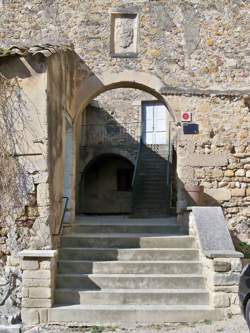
(93, 86)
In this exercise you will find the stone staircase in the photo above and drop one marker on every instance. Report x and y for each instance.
(121, 271)
(150, 191)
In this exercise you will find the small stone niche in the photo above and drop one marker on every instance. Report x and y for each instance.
(124, 33)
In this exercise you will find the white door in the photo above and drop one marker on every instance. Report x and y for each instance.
(154, 124)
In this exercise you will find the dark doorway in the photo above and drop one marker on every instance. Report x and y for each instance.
(106, 186)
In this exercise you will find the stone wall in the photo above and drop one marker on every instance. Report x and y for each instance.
(220, 151)
(32, 153)
(218, 157)
(24, 221)
(38, 274)
(221, 263)
(186, 43)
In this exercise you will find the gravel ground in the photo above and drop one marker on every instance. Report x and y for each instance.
(234, 325)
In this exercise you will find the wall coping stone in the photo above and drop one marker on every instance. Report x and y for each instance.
(38, 253)
(193, 91)
(215, 239)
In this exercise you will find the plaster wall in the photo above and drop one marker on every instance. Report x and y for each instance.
(25, 203)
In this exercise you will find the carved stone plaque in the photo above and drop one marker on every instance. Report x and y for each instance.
(124, 34)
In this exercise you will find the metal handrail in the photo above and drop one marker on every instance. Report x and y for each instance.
(110, 133)
(63, 215)
(137, 161)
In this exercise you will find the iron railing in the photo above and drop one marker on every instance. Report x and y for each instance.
(110, 134)
(137, 163)
(59, 232)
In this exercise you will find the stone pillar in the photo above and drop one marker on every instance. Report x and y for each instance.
(38, 279)
(225, 277)
(222, 270)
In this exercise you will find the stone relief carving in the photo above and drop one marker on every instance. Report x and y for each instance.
(124, 28)
(124, 34)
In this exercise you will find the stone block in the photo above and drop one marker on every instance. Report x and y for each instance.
(217, 173)
(248, 192)
(229, 173)
(234, 299)
(44, 211)
(238, 192)
(10, 328)
(38, 274)
(30, 264)
(40, 292)
(43, 315)
(236, 264)
(221, 265)
(248, 174)
(220, 194)
(235, 309)
(227, 289)
(36, 282)
(30, 316)
(46, 264)
(36, 303)
(43, 194)
(226, 279)
(221, 300)
(240, 173)
(25, 292)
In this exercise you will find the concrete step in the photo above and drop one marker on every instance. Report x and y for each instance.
(129, 254)
(131, 296)
(126, 228)
(127, 240)
(130, 281)
(106, 315)
(128, 267)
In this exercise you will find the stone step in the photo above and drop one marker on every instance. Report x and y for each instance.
(141, 209)
(139, 254)
(155, 175)
(129, 267)
(151, 202)
(122, 220)
(130, 281)
(126, 240)
(131, 296)
(160, 193)
(125, 228)
(112, 315)
(148, 165)
(148, 214)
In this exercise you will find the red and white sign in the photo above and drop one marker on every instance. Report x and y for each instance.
(186, 116)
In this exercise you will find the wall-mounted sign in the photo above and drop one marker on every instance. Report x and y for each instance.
(190, 128)
(186, 116)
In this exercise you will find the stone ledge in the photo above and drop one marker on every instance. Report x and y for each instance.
(10, 328)
(223, 254)
(38, 253)
(192, 91)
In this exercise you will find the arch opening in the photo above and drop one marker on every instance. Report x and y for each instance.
(117, 123)
(106, 185)
(96, 85)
